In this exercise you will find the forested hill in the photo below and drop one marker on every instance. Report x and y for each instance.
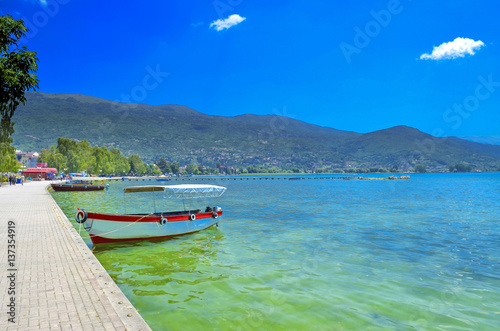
(182, 134)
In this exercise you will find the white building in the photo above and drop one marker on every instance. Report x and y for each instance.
(27, 159)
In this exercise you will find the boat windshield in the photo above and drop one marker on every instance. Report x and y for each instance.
(186, 191)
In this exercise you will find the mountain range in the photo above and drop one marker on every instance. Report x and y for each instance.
(483, 140)
(179, 133)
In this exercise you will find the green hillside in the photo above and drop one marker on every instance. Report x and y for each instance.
(179, 133)
(405, 147)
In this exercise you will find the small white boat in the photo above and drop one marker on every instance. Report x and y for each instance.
(108, 228)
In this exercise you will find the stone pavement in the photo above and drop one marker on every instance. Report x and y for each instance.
(49, 279)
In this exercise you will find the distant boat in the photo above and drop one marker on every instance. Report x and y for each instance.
(109, 228)
(80, 184)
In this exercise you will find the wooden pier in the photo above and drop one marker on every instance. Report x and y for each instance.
(222, 178)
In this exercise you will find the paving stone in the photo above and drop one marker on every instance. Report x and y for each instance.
(57, 284)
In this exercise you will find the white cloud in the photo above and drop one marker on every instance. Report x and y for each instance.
(43, 2)
(228, 22)
(453, 49)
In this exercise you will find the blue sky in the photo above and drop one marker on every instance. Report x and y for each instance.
(350, 65)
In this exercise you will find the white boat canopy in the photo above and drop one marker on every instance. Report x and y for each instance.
(188, 191)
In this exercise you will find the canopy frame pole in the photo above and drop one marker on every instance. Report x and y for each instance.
(154, 201)
(124, 204)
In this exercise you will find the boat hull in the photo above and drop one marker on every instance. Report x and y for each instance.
(76, 187)
(107, 228)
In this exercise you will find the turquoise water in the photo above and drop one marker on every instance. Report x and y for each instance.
(322, 254)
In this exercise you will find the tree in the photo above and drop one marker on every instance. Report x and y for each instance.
(17, 67)
(137, 166)
(152, 169)
(174, 166)
(53, 158)
(120, 164)
(8, 160)
(164, 166)
(101, 161)
(460, 167)
(420, 168)
(71, 156)
(192, 169)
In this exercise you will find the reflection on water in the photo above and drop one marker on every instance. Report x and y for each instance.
(319, 254)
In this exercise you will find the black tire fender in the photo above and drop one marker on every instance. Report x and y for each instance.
(81, 216)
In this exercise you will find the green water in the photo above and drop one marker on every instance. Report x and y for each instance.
(319, 254)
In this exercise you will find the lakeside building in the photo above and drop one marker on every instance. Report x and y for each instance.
(27, 159)
(38, 173)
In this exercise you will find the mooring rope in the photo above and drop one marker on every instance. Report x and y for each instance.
(125, 225)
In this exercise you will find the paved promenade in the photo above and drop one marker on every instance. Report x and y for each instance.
(49, 279)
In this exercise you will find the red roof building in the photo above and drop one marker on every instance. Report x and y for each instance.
(36, 172)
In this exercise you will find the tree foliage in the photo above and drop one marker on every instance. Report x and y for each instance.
(420, 168)
(174, 166)
(137, 166)
(53, 158)
(192, 169)
(460, 167)
(8, 160)
(17, 67)
(168, 167)
(71, 156)
(164, 166)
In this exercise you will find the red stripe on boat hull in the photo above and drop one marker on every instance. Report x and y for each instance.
(145, 218)
(63, 188)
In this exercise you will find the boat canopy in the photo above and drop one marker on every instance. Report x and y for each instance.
(188, 191)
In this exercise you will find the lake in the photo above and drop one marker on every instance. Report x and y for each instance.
(322, 254)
